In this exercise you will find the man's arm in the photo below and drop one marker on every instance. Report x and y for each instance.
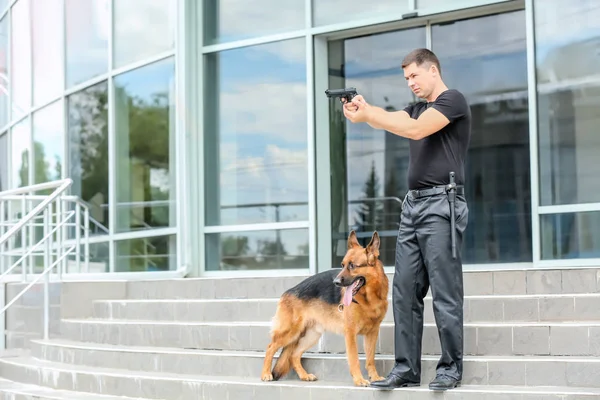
(401, 124)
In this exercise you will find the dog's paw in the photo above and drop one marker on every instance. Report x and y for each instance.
(267, 377)
(309, 378)
(376, 378)
(360, 381)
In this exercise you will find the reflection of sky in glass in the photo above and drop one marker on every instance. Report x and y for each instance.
(48, 128)
(143, 28)
(262, 129)
(327, 12)
(581, 17)
(478, 55)
(87, 39)
(21, 58)
(47, 49)
(241, 19)
(19, 152)
(568, 53)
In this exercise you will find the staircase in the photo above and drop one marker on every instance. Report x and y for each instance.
(528, 335)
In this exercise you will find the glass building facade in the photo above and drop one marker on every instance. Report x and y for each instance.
(199, 134)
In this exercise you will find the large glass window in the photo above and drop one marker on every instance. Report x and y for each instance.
(21, 58)
(327, 12)
(20, 136)
(142, 29)
(145, 146)
(48, 143)
(87, 30)
(88, 151)
(486, 59)
(46, 26)
(256, 150)
(227, 20)
(368, 167)
(4, 75)
(567, 41)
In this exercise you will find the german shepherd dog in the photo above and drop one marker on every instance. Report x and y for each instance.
(350, 302)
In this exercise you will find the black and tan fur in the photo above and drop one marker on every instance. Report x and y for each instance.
(312, 307)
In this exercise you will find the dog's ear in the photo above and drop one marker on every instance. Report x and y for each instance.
(373, 248)
(352, 240)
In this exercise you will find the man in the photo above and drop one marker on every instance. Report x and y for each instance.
(439, 131)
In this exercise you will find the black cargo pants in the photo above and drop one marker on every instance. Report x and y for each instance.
(424, 259)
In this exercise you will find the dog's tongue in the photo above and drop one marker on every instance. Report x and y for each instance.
(348, 294)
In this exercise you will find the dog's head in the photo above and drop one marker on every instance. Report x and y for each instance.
(358, 266)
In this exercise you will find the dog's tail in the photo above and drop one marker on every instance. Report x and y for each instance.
(284, 361)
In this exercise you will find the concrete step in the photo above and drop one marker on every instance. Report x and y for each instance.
(478, 370)
(153, 385)
(10, 390)
(506, 338)
(517, 282)
(481, 308)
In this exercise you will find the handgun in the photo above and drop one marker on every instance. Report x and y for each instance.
(347, 94)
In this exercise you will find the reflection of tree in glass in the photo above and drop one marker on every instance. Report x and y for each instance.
(24, 170)
(149, 125)
(268, 254)
(88, 147)
(369, 213)
(42, 166)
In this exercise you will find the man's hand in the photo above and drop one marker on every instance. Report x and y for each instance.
(358, 110)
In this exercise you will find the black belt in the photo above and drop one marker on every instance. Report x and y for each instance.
(417, 193)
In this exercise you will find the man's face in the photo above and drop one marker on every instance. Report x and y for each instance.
(420, 79)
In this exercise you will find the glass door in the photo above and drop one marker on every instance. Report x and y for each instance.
(368, 166)
(485, 58)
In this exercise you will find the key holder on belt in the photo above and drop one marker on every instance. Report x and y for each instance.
(451, 190)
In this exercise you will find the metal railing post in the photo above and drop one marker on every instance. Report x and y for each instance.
(47, 275)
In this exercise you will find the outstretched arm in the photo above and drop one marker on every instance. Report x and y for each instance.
(397, 122)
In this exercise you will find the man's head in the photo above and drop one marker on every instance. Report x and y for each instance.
(422, 72)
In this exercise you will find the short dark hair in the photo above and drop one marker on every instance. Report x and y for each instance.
(421, 56)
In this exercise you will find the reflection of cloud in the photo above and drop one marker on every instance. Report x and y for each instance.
(480, 37)
(239, 19)
(557, 24)
(271, 110)
(133, 40)
(280, 172)
(87, 30)
(336, 11)
(276, 175)
(382, 53)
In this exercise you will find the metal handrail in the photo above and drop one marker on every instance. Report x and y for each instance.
(60, 186)
(45, 208)
(35, 246)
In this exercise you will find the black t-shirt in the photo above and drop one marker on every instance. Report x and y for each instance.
(435, 156)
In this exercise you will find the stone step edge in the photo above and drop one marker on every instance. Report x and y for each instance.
(503, 324)
(67, 344)
(28, 389)
(30, 363)
(275, 299)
